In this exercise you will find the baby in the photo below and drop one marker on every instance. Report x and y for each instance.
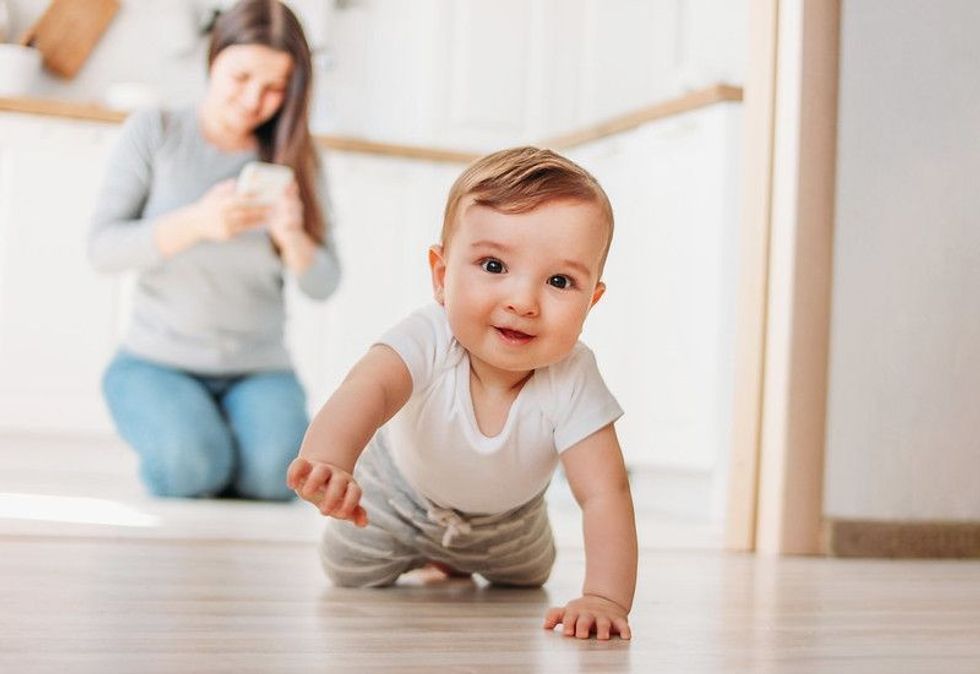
(458, 416)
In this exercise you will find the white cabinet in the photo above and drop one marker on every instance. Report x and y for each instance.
(485, 74)
(389, 211)
(57, 317)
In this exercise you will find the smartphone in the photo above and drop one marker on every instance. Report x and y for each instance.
(264, 182)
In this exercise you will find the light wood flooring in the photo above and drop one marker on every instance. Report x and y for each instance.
(94, 577)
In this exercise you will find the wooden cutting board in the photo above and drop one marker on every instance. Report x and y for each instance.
(67, 32)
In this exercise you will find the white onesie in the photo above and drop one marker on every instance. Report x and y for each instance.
(435, 441)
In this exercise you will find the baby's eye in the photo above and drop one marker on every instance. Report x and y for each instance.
(560, 281)
(492, 265)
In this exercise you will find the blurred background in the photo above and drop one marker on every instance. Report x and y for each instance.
(659, 99)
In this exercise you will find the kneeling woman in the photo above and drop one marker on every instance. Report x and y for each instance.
(202, 387)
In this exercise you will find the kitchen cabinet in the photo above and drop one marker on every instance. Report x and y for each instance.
(58, 318)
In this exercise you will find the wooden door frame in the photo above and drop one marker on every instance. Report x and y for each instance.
(775, 496)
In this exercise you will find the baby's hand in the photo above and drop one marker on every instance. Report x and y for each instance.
(332, 490)
(585, 615)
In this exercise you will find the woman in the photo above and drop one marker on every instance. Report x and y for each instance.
(202, 387)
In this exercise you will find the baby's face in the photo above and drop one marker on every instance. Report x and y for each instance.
(517, 287)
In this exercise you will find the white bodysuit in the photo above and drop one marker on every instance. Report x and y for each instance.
(437, 445)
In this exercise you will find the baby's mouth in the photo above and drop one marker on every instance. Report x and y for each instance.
(514, 336)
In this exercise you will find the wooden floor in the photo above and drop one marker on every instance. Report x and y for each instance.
(104, 596)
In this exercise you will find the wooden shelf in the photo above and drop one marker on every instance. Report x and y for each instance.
(718, 93)
(56, 108)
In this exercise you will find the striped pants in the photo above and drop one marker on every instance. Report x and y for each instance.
(405, 531)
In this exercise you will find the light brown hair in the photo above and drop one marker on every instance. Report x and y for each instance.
(285, 138)
(521, 179)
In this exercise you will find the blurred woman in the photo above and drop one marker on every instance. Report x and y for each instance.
(202, 387)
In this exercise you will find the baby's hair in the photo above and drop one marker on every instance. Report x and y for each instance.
(521, 179)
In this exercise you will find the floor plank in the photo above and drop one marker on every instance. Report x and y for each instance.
(129, 605)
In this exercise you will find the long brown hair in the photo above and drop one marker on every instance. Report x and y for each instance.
(285, 138)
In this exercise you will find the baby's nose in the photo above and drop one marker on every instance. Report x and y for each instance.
(523, 304)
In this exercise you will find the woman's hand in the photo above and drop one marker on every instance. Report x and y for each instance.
(331, 489)
(286, 217)
(590, 614)
(285, 226)
(221, 214)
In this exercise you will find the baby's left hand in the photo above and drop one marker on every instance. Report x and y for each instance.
(590, 614)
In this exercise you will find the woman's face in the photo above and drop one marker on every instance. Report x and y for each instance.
(247, 85)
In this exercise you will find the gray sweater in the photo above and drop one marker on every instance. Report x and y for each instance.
(214, 308)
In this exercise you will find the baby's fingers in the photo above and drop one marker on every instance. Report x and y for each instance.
(319, 475)
(602, 628)
(568, 622)
(360, 517)
(623, 628)
(297, 472)
(345, 510)
(553, 617)
(583, 626)
(332, 495)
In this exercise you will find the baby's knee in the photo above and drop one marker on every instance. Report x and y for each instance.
(529, 582)
(352, 573)
(358, 579)
(349, 564)
(528, 573)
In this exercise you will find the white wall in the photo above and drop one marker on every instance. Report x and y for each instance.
(903, 434)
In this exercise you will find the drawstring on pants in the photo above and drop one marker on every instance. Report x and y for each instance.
(446, 517)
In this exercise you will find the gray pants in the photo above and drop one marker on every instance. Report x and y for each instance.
(406, 530)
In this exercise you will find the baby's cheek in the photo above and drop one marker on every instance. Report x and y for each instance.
(562, 347)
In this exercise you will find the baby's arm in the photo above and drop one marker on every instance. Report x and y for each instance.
(373, 391)
(595, 471)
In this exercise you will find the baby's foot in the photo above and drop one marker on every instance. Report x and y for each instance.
(446, 570)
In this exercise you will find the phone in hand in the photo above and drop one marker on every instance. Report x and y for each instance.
(263, 182)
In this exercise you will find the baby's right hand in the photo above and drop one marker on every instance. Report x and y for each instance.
(331, 489)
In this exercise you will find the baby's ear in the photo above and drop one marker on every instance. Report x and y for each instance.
(437, 265)
(600, 290)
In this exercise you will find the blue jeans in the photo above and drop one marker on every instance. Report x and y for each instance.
(207, 435)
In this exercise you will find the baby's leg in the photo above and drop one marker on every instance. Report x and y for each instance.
(525, 559)
(363, 557)
(513, 548)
